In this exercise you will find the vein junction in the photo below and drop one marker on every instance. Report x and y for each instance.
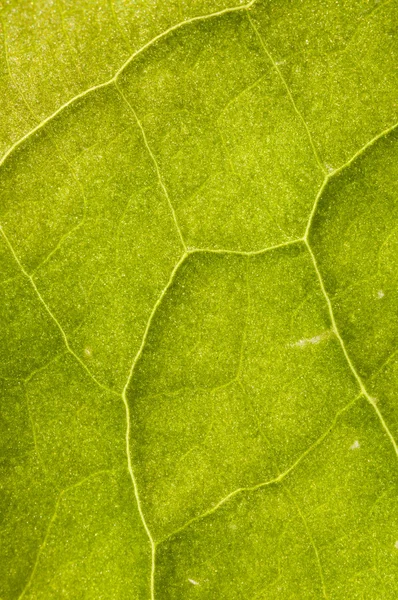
(186, 253)
(120, 71)
(281, 476)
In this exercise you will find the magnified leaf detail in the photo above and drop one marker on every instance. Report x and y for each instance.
(199, 315)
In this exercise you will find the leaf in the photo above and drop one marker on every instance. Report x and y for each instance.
(199, 275)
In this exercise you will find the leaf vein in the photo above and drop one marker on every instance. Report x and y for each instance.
(113, 79)
(263, 484)
(153, 158)
(51, 523)
(289, 93)
(54, 318)
(361, 385)
(128, 420)
(317, 557)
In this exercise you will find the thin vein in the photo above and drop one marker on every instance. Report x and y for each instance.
(317, 557)
(10, 72)
(33, 373)
(128, 420)
(289, 93)
(362, 387)
(51, 523)
(239, 95)
(79, 224)
(113, 79)
(9, 280)
(63, 157)
(73, 50)
(38, 453)
(202, 443)
(243, 252)
(226, 150)
(119, 27)
(362, 24)
(153, 158)
(263, 484)
(53, 317)
(376, 138)
(246, 325)
(384, 365)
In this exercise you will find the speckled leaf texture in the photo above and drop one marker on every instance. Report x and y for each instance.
(199, 300)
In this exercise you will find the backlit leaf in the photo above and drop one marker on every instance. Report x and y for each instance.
(199, 313)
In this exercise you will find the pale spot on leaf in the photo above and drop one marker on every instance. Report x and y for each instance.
(314, 340)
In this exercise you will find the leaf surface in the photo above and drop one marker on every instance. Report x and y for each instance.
(198, 218)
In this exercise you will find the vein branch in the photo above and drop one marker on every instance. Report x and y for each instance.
(330, 176)
(315, 206)
(53, 317)
(113, 79)
(153, 158)
(361, 384)
(288, 91)
(306, 527)
(51, 523)
(128, 420)
(263, 484)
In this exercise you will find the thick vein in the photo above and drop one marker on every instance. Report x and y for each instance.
(315, 206)
(51, 523)
(302, 516)
(148, 45)
(292, 498)
(51, 117)
(120, 71)
(263, 484)
(128, 420)
(362, 387)
(53, 317)
(153, 158)
(289, 93)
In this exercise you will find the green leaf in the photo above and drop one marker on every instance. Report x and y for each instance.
(199, 314)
